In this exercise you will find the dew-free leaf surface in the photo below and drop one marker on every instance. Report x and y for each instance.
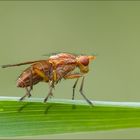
(32, 118)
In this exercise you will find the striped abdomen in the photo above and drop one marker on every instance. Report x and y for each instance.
(29, 77)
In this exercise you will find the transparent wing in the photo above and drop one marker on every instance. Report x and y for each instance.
(19, 64)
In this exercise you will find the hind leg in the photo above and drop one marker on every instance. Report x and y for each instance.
(31, 87)
(74, 86)
(27, 94)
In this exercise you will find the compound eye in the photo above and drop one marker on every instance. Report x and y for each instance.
(84, 60)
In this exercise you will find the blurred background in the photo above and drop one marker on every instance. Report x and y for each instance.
(28, 30)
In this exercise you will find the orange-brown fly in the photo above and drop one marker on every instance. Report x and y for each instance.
(52, 70)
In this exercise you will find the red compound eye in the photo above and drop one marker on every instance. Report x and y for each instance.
(84, 60)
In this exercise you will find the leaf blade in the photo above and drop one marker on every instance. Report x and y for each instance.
(37, 118)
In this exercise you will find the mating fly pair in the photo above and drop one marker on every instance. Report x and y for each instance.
(52, 70)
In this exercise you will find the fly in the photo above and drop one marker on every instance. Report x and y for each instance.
(52, 70)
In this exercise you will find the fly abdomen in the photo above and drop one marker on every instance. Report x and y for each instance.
(28, 78)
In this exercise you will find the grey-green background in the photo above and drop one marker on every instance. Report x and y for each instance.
(110, 29)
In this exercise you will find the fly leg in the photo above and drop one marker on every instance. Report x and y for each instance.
(31, 83)
(31, 87)
(38, 72)
(73, 76)
(54, 70)
(81, 91)
(41, 74)
(78, 75)
(27, 94)
(74, 86)
(46, 79)
(51, 86)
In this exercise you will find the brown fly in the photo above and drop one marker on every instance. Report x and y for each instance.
(52, 70)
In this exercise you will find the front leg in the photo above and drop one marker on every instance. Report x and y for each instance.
(78, 75)
(73, 76)
(81, 91)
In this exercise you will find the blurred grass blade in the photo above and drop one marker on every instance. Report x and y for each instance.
(33, 117)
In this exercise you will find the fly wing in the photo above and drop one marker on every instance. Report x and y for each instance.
(19, 64)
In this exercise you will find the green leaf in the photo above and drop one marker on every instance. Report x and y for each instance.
(33, 117)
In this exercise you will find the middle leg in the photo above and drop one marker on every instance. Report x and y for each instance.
(50, 94)
(81, 91)
(74, 86)
(73, 76)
